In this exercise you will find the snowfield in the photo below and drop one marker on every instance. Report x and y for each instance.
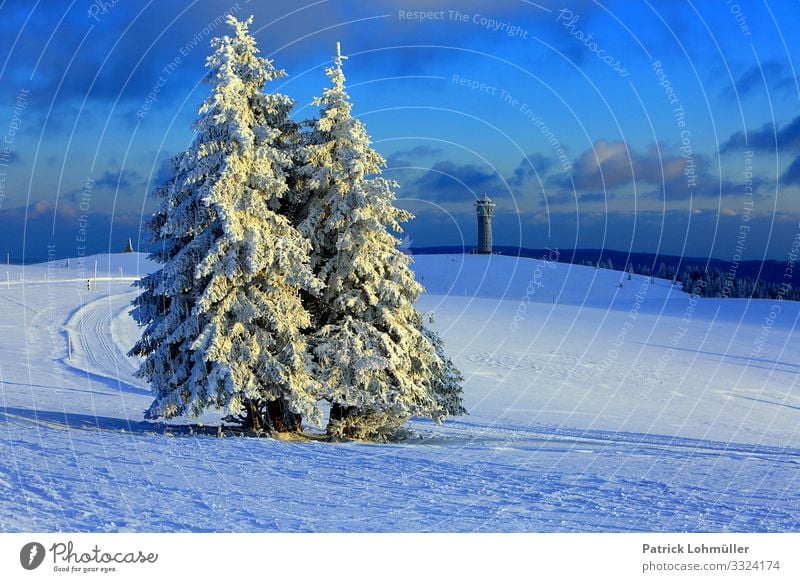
(593, 407)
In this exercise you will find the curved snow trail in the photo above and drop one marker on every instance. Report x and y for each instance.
(95, 331)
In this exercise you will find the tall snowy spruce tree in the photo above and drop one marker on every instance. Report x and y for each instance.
(378, 364)
(223, 318)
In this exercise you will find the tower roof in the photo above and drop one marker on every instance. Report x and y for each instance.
(485, 200)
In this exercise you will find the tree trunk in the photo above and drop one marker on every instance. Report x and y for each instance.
(281, 419)
(339, 415)
(253, 419)
(271, 415)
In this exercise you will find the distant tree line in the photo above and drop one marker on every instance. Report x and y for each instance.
(715, 283)
(710, 282)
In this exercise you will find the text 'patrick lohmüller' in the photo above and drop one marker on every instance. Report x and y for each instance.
(694, 549)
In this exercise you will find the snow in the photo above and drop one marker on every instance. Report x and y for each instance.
(688, 423)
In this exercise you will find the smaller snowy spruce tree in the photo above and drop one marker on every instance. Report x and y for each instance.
(377, 363)
(223, 318)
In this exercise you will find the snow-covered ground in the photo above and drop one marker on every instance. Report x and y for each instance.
(593, 407)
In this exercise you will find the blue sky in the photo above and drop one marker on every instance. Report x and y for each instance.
(668, 127)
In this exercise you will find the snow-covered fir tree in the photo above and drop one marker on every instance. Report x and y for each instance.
(223, 318)
(378, 364)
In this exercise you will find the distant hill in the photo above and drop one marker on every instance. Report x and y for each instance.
(769, 271)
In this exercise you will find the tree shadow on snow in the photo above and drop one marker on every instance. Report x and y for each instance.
(71, 420)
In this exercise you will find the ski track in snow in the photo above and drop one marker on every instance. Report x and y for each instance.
(95, 465)
(95, 350)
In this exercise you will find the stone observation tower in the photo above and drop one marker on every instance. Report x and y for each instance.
(485, 208)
